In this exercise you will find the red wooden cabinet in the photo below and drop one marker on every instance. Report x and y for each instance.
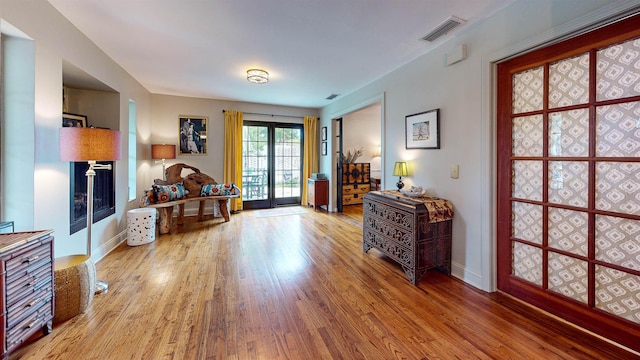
(318, 193)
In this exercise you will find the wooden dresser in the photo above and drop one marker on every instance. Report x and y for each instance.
(318, 193)
(26, 260)
(375, 184)
(415, 232)
(355, 182)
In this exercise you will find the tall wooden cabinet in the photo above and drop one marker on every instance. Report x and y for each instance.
(355, 182)
(26, 261)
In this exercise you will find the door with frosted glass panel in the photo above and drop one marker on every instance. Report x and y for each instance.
(569, 180)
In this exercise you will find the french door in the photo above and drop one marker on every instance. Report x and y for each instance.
(569, 180)
(271, 164)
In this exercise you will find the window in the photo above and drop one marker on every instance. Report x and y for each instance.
(132, 151)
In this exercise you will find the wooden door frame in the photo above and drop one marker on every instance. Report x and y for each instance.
(582, 315)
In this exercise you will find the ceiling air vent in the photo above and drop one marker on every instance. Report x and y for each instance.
(442, 29)
(332, 96)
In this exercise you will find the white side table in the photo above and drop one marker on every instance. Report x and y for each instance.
(141, 224)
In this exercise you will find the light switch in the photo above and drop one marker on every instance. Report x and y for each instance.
(455, 171)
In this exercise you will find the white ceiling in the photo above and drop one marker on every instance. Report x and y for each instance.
(311, 48)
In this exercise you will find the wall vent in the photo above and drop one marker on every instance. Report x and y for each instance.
(444, 28)
(332, 96)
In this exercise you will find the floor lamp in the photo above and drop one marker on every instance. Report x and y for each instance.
(160, 152)
(91, 145)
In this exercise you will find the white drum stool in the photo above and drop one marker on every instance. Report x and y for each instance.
(141, 224)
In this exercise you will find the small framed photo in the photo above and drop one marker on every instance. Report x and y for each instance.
(324, 133)
(422, 130)
(324, 148)
(74, 120)
(193, 135)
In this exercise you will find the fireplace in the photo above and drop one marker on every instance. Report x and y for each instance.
(103, 195)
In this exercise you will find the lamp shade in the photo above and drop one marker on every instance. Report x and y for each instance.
(400, 169)
(89, 144)
(163, 151)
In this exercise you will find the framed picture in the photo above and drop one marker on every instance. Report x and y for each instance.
(324, 148)
(422, 130)
(73, 120)
(193, 135)
(324, 133)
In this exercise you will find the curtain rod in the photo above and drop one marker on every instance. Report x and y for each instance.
(272, 115)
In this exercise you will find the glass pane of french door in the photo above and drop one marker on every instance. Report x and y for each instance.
(255, 163)
(288, 164)
(569, 185)
(272, 164)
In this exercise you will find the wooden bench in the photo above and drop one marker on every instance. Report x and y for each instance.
(165, 210)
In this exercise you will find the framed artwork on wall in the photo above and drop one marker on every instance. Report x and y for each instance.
(324, 133)
(74, 120)
(422, 130)
(324, 148)
(193, 135)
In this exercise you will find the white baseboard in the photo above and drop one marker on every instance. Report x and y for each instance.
(468, 277)
(102, 251)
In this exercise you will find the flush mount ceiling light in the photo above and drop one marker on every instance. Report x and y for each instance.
(257, 76)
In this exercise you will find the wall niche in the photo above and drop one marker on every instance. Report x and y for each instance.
(85, 95)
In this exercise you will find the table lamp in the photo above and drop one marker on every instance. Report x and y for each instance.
(160, 152)
(91, 145)
(400, 169)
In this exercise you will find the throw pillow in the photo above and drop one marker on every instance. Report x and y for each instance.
(147, 198)
(219, 190)
(165, 193)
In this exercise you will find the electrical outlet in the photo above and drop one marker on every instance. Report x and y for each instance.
(454, 171)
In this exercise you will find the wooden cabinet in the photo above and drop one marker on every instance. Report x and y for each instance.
(318, 193)
(353, 194)
(375, 184)
(415, 232)
(355, 182)
(26, 261)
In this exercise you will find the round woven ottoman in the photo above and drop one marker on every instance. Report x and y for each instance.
(141, 224)
(75, 283)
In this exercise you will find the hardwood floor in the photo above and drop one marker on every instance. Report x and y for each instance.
(295, 287)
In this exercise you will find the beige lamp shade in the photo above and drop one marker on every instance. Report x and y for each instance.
(89, 144)
(163, 151)
(400, 169)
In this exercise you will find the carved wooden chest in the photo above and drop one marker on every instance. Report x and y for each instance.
(415, 232)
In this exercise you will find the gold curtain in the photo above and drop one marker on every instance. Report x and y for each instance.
(233, 153)
(310, 160)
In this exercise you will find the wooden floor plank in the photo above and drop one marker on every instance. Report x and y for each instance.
(296, 287)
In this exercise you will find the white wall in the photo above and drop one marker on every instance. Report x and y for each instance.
(362, 129)
(54, 40)
(464, 95)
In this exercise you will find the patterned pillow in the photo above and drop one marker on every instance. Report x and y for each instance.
(147, 198)
(165, 193)
(219, 190)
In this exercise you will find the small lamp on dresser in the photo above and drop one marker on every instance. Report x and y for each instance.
(400, 169)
